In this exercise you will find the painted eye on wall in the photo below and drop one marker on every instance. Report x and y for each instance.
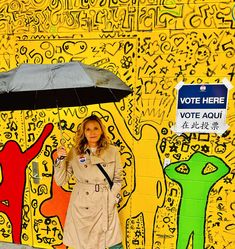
(209, 168)
(183, 168)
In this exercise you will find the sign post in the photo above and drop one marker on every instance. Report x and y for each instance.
(202, 108)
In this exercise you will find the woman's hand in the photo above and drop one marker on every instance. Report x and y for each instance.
(61, 152)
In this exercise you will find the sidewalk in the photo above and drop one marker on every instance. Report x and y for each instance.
(13, 246)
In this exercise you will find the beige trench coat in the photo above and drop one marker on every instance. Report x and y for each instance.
(92, 220)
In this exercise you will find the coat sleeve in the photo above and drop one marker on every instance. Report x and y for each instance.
(117, 178)
(63, 171)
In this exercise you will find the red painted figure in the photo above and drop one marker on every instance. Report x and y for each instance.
(13, 164)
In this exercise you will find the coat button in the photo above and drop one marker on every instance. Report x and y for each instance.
(86, 181)
(87, 193)
(85, 166)
(104, 165)
(86, 207)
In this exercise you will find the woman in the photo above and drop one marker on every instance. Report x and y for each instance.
(92, 220)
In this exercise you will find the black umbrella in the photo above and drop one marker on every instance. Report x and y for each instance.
(41, 86)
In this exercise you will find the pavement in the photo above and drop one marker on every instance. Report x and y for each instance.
(14, 246)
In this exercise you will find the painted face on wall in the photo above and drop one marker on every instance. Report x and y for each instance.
(202, 54)
(93, 132)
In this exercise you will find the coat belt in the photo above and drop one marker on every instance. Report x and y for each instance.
(93, 186)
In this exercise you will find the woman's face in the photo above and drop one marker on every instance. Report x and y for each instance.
(93, 132)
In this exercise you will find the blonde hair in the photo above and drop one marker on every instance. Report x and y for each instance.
(81, 141)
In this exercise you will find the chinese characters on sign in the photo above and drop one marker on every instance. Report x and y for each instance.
(202, 108)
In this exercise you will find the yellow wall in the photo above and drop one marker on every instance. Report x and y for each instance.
(151, 45)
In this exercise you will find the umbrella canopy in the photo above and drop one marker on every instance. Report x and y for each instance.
(41, 86)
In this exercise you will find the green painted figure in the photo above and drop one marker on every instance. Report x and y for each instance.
(196, 177)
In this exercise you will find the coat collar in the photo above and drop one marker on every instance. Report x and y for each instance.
(94, 159)
(106, 156)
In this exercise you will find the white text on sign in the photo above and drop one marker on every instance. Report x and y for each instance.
(203, 100)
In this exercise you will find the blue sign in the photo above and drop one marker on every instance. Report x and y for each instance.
(212, 96)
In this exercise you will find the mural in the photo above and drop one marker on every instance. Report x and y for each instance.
(178, 190)
(196, 177)
(13, 160)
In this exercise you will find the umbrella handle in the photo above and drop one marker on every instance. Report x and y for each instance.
(62, 139)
